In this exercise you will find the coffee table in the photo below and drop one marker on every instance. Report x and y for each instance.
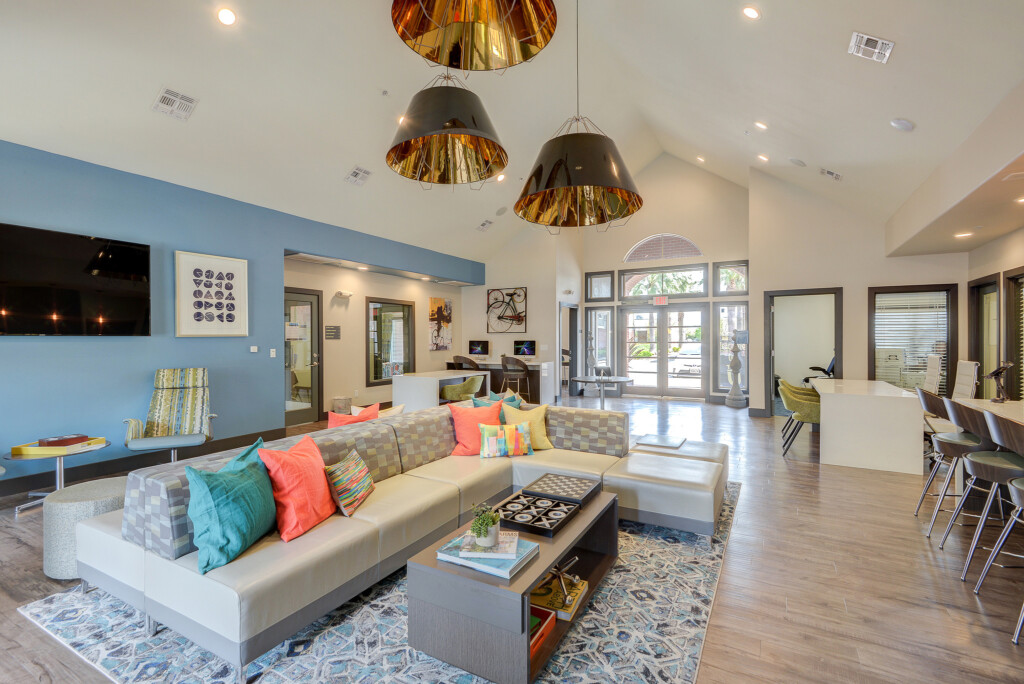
(480, 622)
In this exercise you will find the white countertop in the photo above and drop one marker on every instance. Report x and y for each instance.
(868, 388)
(442, 374)
(1012, 410)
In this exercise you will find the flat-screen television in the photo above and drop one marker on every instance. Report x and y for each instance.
(524, 347)
(54, 283)
(481, 347)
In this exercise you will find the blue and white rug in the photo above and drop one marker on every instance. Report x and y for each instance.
(646, 623)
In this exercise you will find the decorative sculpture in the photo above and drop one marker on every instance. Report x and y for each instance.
(735, 398)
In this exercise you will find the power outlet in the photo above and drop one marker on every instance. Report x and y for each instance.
(355, 393)
(253, 349)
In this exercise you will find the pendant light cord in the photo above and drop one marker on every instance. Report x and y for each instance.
(577, 59)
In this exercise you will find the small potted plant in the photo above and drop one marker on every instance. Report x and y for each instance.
(485, 525)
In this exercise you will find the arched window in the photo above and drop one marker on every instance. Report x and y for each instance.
(662, 246)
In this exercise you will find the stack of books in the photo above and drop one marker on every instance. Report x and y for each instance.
(549, 596)
(504, 559)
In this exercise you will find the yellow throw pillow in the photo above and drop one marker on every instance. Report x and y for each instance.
(535, 417)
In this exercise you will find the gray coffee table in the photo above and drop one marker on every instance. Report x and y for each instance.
(480, 622)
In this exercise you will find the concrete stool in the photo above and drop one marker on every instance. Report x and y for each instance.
(63, 509)
(714, 452)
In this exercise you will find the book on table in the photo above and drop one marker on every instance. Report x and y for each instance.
(501, 567)
(549, 595)
(505, 548)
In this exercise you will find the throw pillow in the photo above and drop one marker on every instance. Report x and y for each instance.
(505, 440)
(509, 394)
(393, 411)
(340, 419)
(301, 493)
(350, 481)
(514, 402)
(230, 509)
(536, 418)
(467, 426)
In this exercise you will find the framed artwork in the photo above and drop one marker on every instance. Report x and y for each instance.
(440, 318)
(211, 296)
(506, 310)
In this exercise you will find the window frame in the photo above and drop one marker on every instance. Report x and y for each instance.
(613, 312)
(952, 316)
(718, 266)
(370, 382)
(586, 286)
(624, 273)
(716, 385)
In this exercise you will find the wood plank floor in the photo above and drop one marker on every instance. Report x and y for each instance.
(827, 577)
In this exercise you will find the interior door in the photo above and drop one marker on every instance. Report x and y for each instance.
(665, 350)
(302, 369)
(988, 340)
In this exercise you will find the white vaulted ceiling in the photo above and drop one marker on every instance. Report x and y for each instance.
(291, 97)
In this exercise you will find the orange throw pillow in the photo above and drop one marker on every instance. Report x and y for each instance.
(338, 419)
(301, 493)
(468, 420)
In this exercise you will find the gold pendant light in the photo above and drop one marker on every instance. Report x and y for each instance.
(579, 178)
(475, 35)
(446, 137)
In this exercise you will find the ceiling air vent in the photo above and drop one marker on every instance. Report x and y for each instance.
(174, 104)
(485, 225)
(357, 176)
(1019, 175)
(831, 174)
(869, 47)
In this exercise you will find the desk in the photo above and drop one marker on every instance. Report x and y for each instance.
(539, 373)
(870, 424)
(602, 380)
(39, 496)
(423, 390)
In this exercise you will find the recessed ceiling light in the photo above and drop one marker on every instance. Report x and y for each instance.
(963, 235)
(425, 278)
(751, 12)
(903, 125)
(1020, 200)
(226, 17)
(700, 159)
(763, 157)
(797, 162)
(400, 120)
(760, 124)
(501, 177)
(362, 268)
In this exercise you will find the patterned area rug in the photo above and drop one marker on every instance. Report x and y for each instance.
(646, 623)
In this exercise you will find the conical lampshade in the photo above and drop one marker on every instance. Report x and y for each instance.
(475, 35)
(579, 179)
(446, 137)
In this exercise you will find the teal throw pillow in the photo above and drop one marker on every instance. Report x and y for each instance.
(514, 402)
(230, 509)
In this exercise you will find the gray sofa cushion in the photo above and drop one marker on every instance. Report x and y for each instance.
(597, 432)
(423, 436)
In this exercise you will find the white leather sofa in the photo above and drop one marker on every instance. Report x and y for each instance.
(145, 555)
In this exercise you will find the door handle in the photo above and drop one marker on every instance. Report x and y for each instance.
(315, 363)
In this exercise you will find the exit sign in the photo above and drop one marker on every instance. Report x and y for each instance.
(661, 300)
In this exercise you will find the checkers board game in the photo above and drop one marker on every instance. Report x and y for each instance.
(575, 490)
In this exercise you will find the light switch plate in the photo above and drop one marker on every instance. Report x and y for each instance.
(254, 349)
(273, 353)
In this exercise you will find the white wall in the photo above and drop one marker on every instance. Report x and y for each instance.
(799, 240)
(344, 360)
(804, 335)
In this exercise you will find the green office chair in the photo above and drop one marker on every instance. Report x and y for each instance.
(179, 413)
(464, 390)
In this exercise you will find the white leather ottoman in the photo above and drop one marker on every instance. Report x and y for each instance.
(679, 493)
(698, 451)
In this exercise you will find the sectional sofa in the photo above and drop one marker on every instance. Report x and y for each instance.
(145, 554)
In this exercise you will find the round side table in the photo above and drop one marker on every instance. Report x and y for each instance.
(38, 496)
(63, 509)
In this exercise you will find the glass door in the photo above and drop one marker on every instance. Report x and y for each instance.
(989, 338)
(665, 351)
(302, 370)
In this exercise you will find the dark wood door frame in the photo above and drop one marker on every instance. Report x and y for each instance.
(974, 288)
(319, 332)
(1011, 344)
(952, 316)
(769, 342)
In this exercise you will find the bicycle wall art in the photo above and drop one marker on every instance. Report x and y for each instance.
(506, 310)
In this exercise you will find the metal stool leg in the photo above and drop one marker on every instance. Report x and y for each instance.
(997, 548)
(792, 438)
(956, 511)
(1020, 623)
(980, 528)
(927, 485)
(942, 495)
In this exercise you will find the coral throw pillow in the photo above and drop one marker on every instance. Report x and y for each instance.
(467, 426)
(301, 493)
(339, 419)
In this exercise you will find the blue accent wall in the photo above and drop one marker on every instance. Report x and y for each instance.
(59, 385)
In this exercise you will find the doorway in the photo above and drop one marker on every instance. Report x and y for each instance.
(664, 350)
(983, 333)
(568, 348)
(303, 400)
(803, 328)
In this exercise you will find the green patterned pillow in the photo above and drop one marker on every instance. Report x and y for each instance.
(505, 440)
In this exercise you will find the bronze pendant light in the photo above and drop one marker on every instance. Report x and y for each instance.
(475, 35)
(446, 137)
(579, 178)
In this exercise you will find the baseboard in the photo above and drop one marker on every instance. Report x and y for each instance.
(716, 399)
(91, 471)
(759, 413)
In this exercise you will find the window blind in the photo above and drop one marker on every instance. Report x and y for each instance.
(909, 326)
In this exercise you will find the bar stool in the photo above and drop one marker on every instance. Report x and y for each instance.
(807, 393)
(805, 410)
(993, 467)
(514, 370)
(465, 363)
(947, 450)
(1016, 488)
